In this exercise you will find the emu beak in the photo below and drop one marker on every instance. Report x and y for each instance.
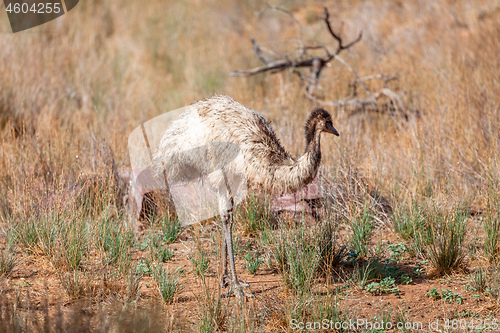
(331, 129)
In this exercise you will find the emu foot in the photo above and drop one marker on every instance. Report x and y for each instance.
(226, 281)
(236, 288)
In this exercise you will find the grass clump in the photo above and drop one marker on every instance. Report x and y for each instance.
(445, 239)
(49, 231)
(479, 280)
(133, 285)
(116, 241)
(254, 214)
(213, 314)
(253, 262)
(437, 234)
(170, 229)
(61, 236)
(362, 274)
(158, 251)
(492, 239)
(75, 241)
(361, 233)
(162, 254)
(74, 283)
(200, 261)
(7, 262)
(331, 252)
(168, 284)
(301, 254)
(491, 225)
(408, 222)
(313, 310)
(326, 307)
(25, 234)
(298, 258)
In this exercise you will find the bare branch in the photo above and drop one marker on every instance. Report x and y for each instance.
(274, 67)
(256, 49)
(315, 72)
(300, 58)
(317, 62)
(318, 47)
(371, 77)
(336, 36)
(368, 104)
(395, 98)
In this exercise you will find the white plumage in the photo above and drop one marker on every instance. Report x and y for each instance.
(220, 122)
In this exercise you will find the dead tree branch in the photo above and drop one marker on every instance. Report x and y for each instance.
(337, 37)
(256, 49)
(302, 58)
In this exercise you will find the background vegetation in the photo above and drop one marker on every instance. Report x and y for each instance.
(412, 200)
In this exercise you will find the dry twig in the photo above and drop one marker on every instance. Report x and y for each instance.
(316, 64)
(303, 60)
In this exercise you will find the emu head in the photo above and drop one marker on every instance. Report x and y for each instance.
(319, 120)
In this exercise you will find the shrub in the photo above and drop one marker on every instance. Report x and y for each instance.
(446, 234)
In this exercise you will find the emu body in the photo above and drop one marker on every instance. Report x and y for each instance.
(262, 161)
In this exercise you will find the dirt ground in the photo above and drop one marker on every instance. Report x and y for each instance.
(35, 279)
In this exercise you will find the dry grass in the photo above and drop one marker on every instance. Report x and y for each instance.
(72, 90)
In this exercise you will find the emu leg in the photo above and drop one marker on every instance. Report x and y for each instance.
(236, 285)
(223, 250)
(226, 204)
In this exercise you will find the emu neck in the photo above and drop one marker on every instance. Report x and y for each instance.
(313, 153)
(293, 177)
(313, 138)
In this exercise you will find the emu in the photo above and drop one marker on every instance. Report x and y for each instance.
(262, 161)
